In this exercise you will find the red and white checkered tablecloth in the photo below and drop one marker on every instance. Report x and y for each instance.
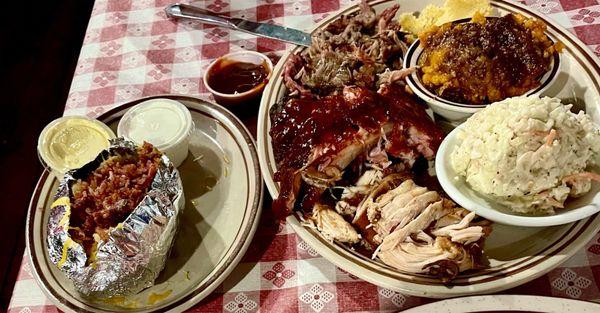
(132, 50)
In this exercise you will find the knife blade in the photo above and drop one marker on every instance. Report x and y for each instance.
(276, 32)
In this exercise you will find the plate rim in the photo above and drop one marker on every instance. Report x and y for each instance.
(512, 300)
(240, 244)
(333, 253)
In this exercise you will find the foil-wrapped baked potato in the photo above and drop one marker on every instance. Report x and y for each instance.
(114, 220)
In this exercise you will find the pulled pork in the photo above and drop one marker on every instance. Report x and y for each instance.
(352, 50)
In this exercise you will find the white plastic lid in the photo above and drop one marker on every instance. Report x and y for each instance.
(161, 122)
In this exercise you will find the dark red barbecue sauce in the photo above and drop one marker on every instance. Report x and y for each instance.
(302, 124)
(305, 123)
(406, 112)
(231, 77)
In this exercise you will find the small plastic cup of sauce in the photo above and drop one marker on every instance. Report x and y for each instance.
(238, 77)
(165, 123)
(72, 141)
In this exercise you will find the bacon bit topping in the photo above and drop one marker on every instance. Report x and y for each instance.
(110, 193)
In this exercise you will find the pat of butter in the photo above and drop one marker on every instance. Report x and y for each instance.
(452, 10)
(71, 142)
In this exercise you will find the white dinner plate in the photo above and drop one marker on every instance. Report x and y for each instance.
(223, 192)
(516, 254)
(508, 303)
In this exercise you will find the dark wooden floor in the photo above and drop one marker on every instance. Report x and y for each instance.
(40, 43)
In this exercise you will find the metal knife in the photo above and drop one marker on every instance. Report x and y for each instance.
(260, 29)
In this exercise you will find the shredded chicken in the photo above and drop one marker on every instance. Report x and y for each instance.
(416, 228)
(461, 232)
(353, 195)
(414, 257)
(333, 226)
(389, 182)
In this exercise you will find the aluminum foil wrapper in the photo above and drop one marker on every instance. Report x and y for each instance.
(136, 250)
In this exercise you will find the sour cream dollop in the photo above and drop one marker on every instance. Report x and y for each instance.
(165, 123)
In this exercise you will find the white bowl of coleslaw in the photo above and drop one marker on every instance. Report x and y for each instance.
(524, 161)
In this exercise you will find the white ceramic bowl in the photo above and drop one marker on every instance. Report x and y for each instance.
(460, 191)
(241, 56)
(455, 111)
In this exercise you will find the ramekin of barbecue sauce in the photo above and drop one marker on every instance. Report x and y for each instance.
(238, 77)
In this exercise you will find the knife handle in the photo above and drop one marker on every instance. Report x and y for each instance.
(196, 13)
